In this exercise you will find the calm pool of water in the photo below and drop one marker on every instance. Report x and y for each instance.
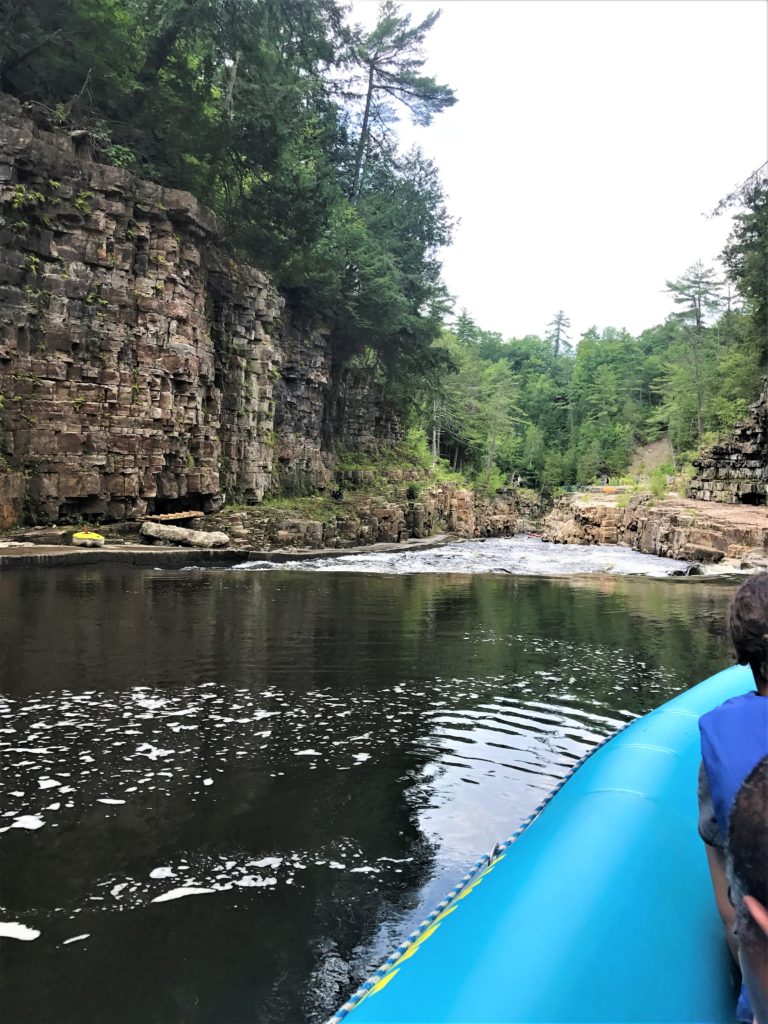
(228, 794)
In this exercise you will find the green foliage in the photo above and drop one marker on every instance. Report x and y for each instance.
(23, 198)
(576, 418)
(120, 156)
(416, 449)
(746, 252)
(659, 480)
(83, 202)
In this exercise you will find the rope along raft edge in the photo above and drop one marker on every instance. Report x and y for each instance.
(482, 864)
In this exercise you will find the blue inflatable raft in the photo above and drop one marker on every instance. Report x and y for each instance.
(598, 910)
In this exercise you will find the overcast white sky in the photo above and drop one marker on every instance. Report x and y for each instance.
(589, 139)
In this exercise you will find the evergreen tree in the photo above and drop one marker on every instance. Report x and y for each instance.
(698, 292)
(390, 59)
(746, 252)
(558, 334)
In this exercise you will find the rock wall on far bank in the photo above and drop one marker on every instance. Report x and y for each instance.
(142, 369)
(681, 528)
(736, 471)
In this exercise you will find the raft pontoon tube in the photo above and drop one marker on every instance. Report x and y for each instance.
(600, 910)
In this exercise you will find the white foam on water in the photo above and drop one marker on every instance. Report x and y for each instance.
(266, 862)
(76, 938)
(14, 930)
(176, 894)
(163, 872)
(152, 752)
(207, 782)
(308, 753)
(108, 800)
(522, 555)
(28, 821)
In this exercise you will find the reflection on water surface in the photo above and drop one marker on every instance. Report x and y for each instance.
(229, 793)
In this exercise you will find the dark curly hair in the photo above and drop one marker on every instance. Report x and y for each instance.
(748, 841)
(748, 623)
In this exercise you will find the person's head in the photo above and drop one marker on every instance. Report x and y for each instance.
(748, 623)
(748, 877)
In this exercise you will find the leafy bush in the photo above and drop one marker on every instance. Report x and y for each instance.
(416, 447)
(659, 480)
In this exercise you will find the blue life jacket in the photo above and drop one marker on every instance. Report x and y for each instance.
(734, 737)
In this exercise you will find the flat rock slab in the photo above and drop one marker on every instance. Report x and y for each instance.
(186, 538)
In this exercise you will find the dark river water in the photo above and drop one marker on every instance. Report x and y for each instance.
(229, 793)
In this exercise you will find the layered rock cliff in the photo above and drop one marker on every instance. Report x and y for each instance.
(676, 527)
(142, 369)
(737, 471)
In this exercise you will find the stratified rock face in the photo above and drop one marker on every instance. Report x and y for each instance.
(674, 528)
(737, 472)
(137, 363)
(363, 418)
(300, 463)
(142, 370)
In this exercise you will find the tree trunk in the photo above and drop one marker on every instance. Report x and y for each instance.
(230, 89)
(697, 381)
(356, 181)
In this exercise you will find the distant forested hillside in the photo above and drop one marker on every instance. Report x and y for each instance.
(551, 412)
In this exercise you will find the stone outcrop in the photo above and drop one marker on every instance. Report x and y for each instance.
(675, 528)
(444, 508)
(142, 370)
(737, 471)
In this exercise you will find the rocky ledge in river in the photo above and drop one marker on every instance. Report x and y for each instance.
(695, 531)
(361, 519)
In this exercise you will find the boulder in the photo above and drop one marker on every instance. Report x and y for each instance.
(187, 538)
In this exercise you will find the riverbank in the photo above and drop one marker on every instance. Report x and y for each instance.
(15, 555)
(710, 533)
(725, 538)
(400, 512)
